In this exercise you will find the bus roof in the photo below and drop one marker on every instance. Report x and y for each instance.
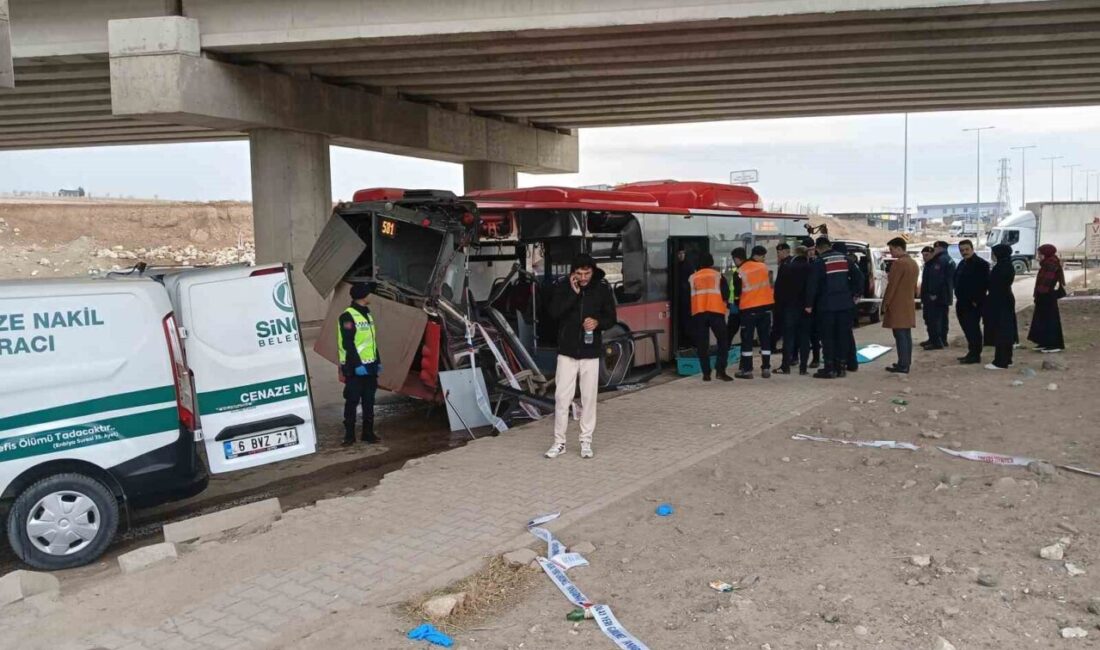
(663, 196)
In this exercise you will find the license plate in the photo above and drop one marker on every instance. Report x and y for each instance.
(260, 443)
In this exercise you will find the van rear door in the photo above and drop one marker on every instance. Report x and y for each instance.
(242, 344)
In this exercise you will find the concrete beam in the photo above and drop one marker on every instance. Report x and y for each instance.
(7, 64)
(291, 202)
(486, 175)
(160, 77)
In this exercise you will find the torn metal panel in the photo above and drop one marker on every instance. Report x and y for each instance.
(400, 329)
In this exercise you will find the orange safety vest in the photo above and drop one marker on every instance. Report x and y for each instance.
(706, 292)
(756, 290)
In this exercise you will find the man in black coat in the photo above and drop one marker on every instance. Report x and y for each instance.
(935, 295)
(829, 292)
(582, 306)
(941, 248)
(971, 284)
(790, 301)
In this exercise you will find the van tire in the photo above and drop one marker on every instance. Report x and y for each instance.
(105, 503)
(1020, 267)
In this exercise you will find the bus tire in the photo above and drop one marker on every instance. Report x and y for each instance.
(34, 527)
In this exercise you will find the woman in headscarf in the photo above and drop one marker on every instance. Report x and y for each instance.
(1000, 308)
(1050, 285)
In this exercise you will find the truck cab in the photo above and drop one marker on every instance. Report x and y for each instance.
(1017, 231)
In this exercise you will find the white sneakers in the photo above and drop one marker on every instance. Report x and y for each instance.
(557, 450)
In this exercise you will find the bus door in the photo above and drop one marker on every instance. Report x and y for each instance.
(684, 256)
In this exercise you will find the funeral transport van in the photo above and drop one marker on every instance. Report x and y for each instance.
(128, 391)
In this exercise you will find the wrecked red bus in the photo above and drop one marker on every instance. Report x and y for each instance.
(493, 256)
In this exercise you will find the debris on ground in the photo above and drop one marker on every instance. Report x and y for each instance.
(664, 510)
(428, 633)
(1052, 552)
(1074, 633)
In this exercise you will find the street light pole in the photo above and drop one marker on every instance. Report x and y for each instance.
(905, 181)
(1071, 168)
(1089, 173)
(1052, 159)
(1023, 173)
(978, 204)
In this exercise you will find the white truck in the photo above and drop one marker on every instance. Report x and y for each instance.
(111, 391)
(1061, 223)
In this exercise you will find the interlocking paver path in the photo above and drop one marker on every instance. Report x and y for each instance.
(428, 524)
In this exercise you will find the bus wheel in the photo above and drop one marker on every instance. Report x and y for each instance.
(62, 521)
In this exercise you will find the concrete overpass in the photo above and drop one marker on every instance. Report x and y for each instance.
(502, 86)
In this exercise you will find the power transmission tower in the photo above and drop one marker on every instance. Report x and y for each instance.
(1004, 203)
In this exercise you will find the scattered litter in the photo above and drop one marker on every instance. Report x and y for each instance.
(427, 632)
(542, 519)
(1073, 570)
(1052, 386)
(986, 457)
(1017, 382)
(878, 444)
(1080, 470)
(664, 510)
(899, 409)
(723, 587)
(921, 560)
(1073, 633)
(931, 434)
(899, 401)
(869, 353)
(715, 425)
(580, 614)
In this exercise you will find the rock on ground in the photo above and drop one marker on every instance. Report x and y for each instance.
(1073, 633)
(1052, 552)
(942, 644)
(520, 557)
(582, 548)
(445, 605)
(18, 585)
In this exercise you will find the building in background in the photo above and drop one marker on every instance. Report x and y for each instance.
(78, 192)
(948, 213)
(883, 220)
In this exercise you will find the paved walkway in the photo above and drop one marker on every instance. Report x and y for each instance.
(424, 526)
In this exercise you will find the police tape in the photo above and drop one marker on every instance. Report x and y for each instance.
(555, 567)
(987, 457)
(877, 444)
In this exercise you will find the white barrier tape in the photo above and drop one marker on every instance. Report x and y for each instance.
(877, 444)
(554, 548)
(543, 519)
(986, 457)
(569, 560)
(564, 584)
(614, 630)
(1079, 470)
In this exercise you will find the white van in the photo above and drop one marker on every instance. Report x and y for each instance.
(108, 387)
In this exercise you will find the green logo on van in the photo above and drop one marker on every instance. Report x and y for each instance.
(281, 296)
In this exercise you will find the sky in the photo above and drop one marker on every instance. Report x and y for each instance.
(845, 163)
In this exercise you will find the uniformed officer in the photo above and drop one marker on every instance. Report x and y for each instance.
(360, 363)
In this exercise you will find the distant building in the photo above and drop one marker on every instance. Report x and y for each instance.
(78, 192)
(883, 220)
(951, 212)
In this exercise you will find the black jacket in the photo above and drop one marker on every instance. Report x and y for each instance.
(569, 309)
(1000, 305)
(936, 281)
(790, 283)
(832, 283)
(971, 281)
(347, 340)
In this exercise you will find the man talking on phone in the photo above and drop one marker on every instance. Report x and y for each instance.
(583, 307)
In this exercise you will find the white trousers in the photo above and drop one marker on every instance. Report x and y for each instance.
(565, 379)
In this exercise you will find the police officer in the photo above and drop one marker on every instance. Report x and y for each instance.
(829, 299)
(360, 363)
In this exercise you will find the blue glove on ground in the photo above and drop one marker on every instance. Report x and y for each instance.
(427, 632)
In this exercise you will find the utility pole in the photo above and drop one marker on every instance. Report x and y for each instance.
(1023, 172)
(978, 183)
(905, 181)
(1089, 173)
(1052, 159)
(1071, 168)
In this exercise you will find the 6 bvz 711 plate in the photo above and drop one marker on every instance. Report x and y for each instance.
(260, 443)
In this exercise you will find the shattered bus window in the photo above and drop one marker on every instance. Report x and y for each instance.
(406, 255)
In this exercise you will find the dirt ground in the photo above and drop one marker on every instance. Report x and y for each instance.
(825, 535)
(860, 231)
(63, 238)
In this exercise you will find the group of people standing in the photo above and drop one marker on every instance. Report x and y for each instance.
(982, 295)
(809, 310)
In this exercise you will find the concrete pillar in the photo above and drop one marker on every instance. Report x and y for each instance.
(291, 201)
(487, 175)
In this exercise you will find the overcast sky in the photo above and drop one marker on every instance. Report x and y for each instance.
(840, 163)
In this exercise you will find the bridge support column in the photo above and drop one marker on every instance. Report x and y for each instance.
(291, 201)
(486, 174)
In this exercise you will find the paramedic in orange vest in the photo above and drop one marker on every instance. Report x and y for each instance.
(756, 303)
(710, 295)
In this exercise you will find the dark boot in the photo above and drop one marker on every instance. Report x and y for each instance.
(368, 433)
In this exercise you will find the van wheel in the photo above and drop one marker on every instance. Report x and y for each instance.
(62, 521)
(1019, 266)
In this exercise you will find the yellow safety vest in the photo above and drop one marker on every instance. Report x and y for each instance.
(364, 337)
